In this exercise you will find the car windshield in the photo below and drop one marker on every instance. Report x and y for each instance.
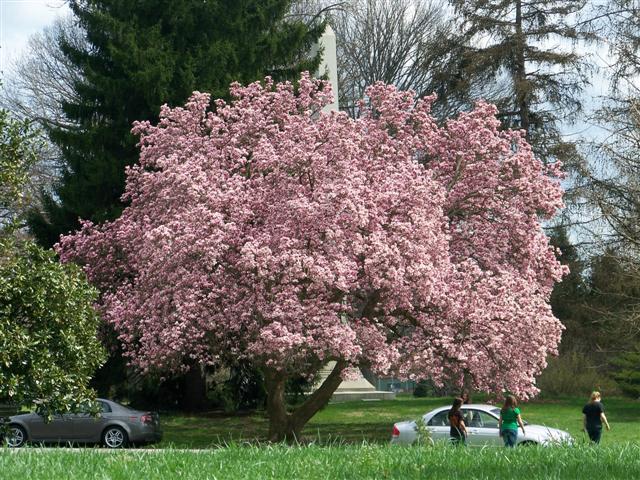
(495, 411)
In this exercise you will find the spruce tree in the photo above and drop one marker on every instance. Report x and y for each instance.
(524, 46)
(140, 56)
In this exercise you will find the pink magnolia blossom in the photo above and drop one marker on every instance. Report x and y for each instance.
(270, 231)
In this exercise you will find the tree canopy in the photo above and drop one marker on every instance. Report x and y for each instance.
(48, 343)
(271, 232)
(17, 155)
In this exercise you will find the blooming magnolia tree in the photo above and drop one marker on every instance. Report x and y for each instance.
(271, 232)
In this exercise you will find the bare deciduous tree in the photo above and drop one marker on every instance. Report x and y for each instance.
(612, 180)
(38, 82)
(407, 43)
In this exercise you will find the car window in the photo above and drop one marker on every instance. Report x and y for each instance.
(488, 421)
(440, 419)
(105, 407)
(480, 419)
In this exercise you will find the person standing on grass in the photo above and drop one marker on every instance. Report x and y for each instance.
(509, 420)
(593, 417)
(457, 428)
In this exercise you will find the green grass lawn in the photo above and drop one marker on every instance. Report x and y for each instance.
(333, 462)
(371, 422)
(348, 441)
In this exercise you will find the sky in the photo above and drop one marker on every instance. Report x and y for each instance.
(19, 19)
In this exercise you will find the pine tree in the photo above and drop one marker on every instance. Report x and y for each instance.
(523, 46)
(140, 56)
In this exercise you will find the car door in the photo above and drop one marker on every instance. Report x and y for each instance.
(438, 426)
(60, 428)
(87, 426)
(482, 428)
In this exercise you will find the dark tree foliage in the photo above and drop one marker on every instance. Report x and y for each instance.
(139, 56)
(598, 304)
(569, 296)
(614, 298)
(524, 45)
(627, 373)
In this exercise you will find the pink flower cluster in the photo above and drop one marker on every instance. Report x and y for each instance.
(270, 231)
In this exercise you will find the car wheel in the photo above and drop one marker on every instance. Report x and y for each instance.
(114, 437)
(17, 436)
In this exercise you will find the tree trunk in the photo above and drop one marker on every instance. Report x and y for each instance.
(287, 426)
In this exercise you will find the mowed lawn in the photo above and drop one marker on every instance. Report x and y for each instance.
(347, 441)
(349, 462)
(371, 422)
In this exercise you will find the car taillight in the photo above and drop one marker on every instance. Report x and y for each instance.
(146, 418)
(396, 432)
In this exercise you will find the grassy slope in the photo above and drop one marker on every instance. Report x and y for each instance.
(338, 462)
(372, 421)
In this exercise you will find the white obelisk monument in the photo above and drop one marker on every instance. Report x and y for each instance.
(358, 388)
(329, 64)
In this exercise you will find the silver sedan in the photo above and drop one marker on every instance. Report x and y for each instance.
(114, 427)
(482, 427)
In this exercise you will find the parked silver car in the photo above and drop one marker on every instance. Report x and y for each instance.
(114, 427)
(482, 427)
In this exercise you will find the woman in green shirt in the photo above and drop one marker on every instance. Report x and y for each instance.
(509, 420)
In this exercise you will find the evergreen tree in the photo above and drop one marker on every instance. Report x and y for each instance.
(141, 55)
(568, 296)
(627, 373)
(519, 44)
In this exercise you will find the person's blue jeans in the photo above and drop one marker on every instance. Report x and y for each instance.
(595, 434)
(510, 437)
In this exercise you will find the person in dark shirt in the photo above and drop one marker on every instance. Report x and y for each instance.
(457, 428)
(593, 418)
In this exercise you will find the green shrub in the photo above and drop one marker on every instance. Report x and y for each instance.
(421, 390)
(48, 330)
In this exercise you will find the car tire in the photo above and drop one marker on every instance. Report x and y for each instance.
(17, 436)
(114, 437)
